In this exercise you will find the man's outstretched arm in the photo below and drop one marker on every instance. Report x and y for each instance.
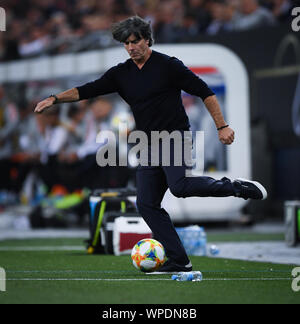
(226, 135)
(70, 95)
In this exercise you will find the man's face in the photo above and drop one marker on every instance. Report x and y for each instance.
(136, 48)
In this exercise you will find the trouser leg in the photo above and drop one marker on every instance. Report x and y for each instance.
(183, 185)
(151, 187)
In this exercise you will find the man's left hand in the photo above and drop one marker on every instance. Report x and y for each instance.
(226, 136)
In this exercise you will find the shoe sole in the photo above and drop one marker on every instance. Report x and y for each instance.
(165, 273)
(261, 188)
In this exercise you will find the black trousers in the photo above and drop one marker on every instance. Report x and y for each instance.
(152, 184)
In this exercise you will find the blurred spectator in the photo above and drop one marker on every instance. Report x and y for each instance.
(192, 110)
(217, 8)
(78, 166)
(168, 27)
(76, 126)
(33, 44)
(224, 13)
(282, 9)
(200, 10)
(190, 26)
(26, 159)
(52, 143)
(230, 13)
(252, 15)
(40, 139)
(200, 121)
(9, 118)
(99, 119)
(55, 135)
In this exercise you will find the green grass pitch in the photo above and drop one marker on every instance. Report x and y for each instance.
(66, 274)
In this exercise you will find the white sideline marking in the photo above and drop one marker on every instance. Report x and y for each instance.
(43, 248)
(135, 279)
(80, 279)
(247, 279)
(42, 234)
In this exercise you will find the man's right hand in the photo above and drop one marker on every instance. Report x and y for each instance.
(42, 105)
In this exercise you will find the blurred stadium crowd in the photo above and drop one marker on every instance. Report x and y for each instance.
(57, 147)
(47, 27)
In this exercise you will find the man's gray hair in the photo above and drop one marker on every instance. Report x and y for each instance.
(136, 26)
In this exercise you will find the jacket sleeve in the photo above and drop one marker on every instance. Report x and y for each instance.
(104, 85)
(184, 79)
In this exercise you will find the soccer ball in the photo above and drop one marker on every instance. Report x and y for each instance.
(148, 255)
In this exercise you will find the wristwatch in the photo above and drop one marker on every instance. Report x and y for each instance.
(56, 99)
